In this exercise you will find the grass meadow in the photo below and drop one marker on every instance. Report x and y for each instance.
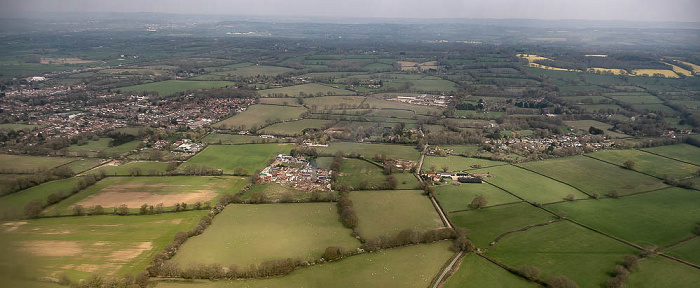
(648, 163)
(410, 267)
(528, 185)
(475, 271)
(250, 234)
(563, 249)
(369, 150)
(600, 177)
(170, 87)
(249, 157)
(109, 245)
(259, 115)
(12, 206)
(397, 209)
(457, 163)
(295, 128)
(656, 271)
(458, 197)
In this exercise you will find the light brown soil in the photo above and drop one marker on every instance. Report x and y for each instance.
(136, 199)
(12, 226)
(125, 255)
(52, 248)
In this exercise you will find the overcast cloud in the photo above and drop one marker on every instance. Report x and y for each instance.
(635, 10)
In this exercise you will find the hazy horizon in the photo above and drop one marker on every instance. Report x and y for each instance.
(595, 10)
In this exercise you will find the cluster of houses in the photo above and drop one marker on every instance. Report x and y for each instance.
(425, 100)
(461, 177)
(297, 173)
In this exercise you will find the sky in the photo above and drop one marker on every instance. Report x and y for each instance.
(627, 10)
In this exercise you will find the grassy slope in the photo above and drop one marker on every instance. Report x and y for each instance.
(355, 171)
(12, 205)
(456, 163)
(369, 150)
(249, 234)
(683, 152)
(293, 128)
(29, 164)
(689, 251)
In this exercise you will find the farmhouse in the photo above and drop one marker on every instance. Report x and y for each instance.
(297, 173)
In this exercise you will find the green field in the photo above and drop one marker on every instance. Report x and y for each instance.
(682, 152)
(170, 87)
(334, 102)
(656, 271)
(135, 191)
(407, 267)
(259, 115)
(288, 101)
(355, 171)
(475, 271)
(216, 138)
(563, 249)
(275, 192)
(486, 224)
(457, 163)
(12, 206)
(689, 251)
(91, 146)
(84, 164)
(249, 157)
(31, 164)
(250, 234)
(648, 163)
(110, 245)
(127, 147)
(376, 103)
(256, 70)
(458, 197)
(407, 181)
(137, 168)
(586, 124)
(601, 178)
(658, 218)
(8, 126)
(528, 185)
(397, 209)
(311, 89)
(294, 128)
(369, 150)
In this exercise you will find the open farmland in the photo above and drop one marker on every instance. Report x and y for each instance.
(110, 245)
(170, 87)
(368, 150)
(412, 266)
(656, 271)
(398, 209)
(250, 234)
(528, 185)
(360, 174)
(285, 101)
(486, 224)
(312, 89)
(658, 218)
(134, 169)
(689, 251)
(601, 178)
(683, 152)
(259, 115)
(227, 139)
(458, 197)
(475, 271)
(334, 102)
(457, 163)
(563, 249)
(648, 163)
(249, 157)
(135, 191)
(256, 70)
(293, 128)
(11, 206)
(31, 164)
